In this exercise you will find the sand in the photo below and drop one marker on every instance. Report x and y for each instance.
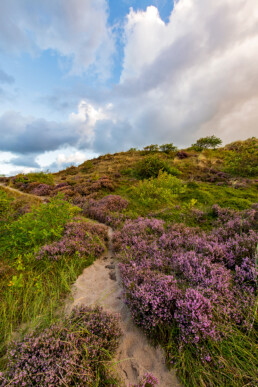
(100, 284)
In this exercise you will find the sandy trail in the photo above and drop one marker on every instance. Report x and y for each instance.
(100, 284)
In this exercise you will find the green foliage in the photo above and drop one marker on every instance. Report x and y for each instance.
(168, 148)
(39, 177)
(86, 166)
(6, 209)
(37, 227)
(151, 148)
(151, 165)
(207, 142)
(241, 158)
(156, 192)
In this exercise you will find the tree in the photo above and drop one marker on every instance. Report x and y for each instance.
(207, 142)
(168, 148)
(151, 148)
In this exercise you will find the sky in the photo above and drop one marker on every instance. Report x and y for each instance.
(80, 78)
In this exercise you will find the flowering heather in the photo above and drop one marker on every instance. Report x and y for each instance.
(42, 190)
(71, 353)
(183, 275)
(148, 380)
(80, 238)
(107, 209)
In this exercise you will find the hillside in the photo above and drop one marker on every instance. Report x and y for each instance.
(174, 230)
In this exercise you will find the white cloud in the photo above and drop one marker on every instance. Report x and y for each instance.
(191, 76)
(76, 29)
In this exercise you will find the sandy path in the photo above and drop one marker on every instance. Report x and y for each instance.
(99, 284)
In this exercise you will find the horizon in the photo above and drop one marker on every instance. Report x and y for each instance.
(83, 78)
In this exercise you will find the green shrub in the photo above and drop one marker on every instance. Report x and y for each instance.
(158, 191)
(168, 148)
(150, 166)
(38, 177)
(242, 158)
(207, 142)
(151, 148)
(44, 223)
(86, 166)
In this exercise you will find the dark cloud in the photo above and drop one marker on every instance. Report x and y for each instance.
(6, 78)
(25, 161)
(26, 135)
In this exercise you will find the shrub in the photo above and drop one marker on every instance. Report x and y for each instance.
(151, 148)
(106, 210)
(86, 166)
(207, 142)
(158, 191)
(242, 158)
(150, 167)
(78, 240)
(168, 148)
(71, 354)
(38, 177)
(42, 224)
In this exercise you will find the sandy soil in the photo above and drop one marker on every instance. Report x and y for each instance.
(100, 284)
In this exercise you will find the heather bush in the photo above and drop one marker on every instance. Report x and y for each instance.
(148, 380)
(107, 210)
(71, 353)
(201, 281)
(80, 239)
(42, 190)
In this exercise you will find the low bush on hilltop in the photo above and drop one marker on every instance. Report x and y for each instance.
(71, 353)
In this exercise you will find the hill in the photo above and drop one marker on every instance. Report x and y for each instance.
(184, 247)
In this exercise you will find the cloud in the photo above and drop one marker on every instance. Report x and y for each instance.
(186, 78)
(6, 78)
(24, 135)
(195, 75)
(25, 161)
(76, 29)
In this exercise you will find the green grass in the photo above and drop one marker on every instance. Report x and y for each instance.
(234, 361)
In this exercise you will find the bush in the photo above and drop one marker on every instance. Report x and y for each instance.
(168, 148)
(242, 158)
(68, 354)
(150, 167)
(151, 148)
(207, 142)
(38, 177)
(42, 224)
(158, 191)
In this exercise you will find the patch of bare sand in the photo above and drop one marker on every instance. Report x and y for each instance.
(100, 284)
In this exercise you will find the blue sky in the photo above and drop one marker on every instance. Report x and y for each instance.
(79, 78)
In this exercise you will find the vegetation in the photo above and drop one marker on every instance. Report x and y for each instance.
(151, 166)
(241, 158)
(207, 142)
(186, 237)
